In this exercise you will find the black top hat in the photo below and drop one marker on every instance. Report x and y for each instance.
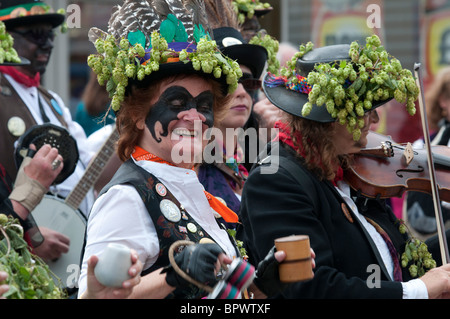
(232, 44)
(16, 13)
(293, 101)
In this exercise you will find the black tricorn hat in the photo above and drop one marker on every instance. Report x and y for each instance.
(16, 13)
(232, 44)
(292, 102)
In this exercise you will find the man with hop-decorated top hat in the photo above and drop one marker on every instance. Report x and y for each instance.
(330, 97)
(26, 103)
(169, 85)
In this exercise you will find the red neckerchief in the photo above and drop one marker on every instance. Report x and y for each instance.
(228, 215)
(284, 135)
(21, 77)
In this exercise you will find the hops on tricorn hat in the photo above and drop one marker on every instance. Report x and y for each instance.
(341, 83)
(148, 39)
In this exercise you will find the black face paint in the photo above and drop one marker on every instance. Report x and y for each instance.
(174, 100)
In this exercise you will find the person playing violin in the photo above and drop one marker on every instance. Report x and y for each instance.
(359, 243)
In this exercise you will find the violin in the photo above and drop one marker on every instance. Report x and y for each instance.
(391, 169)
(387, 169)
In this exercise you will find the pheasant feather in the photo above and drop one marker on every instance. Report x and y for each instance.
(221, 13)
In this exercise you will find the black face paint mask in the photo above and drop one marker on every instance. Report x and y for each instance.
(174, 100)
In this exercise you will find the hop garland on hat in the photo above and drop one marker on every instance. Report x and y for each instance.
(246, 8)
(7, 52)
(271, 45)
(144, 49)
(348, 88)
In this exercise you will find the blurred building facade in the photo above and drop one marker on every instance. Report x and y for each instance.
(412, 31)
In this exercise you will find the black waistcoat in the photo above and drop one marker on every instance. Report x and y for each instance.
(152, 192)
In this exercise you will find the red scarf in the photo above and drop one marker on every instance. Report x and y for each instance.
(21, 77)
(284, 135)
(228, 215)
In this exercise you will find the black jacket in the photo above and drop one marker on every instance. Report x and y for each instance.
(278, 205)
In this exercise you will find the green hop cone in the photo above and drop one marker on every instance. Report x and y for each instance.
(3, 219)
(413, 271)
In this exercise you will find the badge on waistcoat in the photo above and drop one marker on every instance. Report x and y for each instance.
(6, 91)
(161, 189)
(346, 213)
(56, 107)
(192, 228)
(16, 126)
(170, 210)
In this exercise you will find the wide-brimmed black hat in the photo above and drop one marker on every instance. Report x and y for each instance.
(16, 13)
(232, 44)
(293, 101)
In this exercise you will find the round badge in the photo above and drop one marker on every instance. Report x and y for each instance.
(170, 210)
(191, 227)
(161, 189)
(16, 126)
(222, 200)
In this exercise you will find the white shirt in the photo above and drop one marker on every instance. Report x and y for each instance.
(120, 216)
(29, 96)
(413, 289)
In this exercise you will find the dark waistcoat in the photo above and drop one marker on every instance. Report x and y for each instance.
(11, 105)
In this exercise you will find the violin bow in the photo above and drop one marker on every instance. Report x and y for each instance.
(434, 189)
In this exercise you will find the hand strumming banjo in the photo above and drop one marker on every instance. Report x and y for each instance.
(63, 215)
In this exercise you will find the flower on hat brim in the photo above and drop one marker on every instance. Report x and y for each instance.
(347, 89)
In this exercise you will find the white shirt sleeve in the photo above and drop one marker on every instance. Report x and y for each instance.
(120, 216)
(415, 289)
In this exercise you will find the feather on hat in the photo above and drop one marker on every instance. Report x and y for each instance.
(157, 37)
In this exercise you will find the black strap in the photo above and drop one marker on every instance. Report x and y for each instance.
(45, 119)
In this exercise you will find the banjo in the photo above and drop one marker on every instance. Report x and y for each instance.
(63, 215)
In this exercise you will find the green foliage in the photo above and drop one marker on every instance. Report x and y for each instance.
(117, 62)
(28, 276)
(7, 52)
(271, 45)
(416, 256)
(246, 8)
(348, 88)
